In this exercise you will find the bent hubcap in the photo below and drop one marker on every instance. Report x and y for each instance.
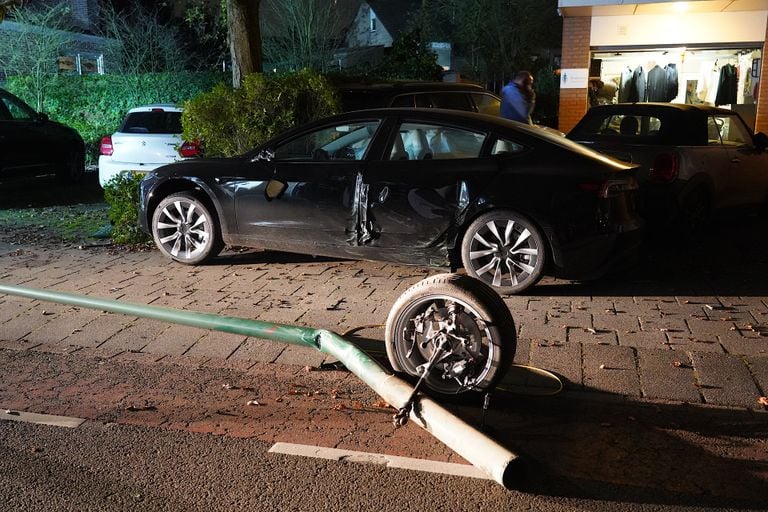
(504, 253)
(183, 230)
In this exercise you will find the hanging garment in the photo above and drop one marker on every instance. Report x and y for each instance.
(637, 89)
(727, 86)
(656, 89)
(672, 84)
(707, 84)
(625, 84)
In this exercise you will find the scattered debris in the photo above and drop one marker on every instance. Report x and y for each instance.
(146, 407)
(590, 330)
(763, 400)
(680, 364)
(229, 386)
(253, 402)
(382, 404)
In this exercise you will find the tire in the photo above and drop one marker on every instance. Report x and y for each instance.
(505, 250)
(185, 230)
(695, 211)
(480, 317)
(72, 169)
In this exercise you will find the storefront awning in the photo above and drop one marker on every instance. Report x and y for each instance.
(569, 8)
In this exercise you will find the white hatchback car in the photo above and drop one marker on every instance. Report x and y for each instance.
(149, 136)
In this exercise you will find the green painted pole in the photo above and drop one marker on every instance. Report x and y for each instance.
(483, 452)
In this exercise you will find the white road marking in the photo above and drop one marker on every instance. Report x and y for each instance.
(390, 461)
(41, 419)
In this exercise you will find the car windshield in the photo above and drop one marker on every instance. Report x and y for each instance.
(156, 121)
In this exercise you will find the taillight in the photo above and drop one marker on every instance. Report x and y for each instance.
(189, 149)
(664, 168)
(106, 148)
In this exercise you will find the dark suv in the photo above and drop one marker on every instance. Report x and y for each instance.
(448, 95)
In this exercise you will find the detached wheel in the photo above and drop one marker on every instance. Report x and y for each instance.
(504, 250)
(185, 231)
(465, 317)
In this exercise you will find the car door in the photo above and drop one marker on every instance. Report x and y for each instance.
(319, 168)
(22, 142)
(748, 172)
(415, 193)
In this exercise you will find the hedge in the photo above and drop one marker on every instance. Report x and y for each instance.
(95, 105)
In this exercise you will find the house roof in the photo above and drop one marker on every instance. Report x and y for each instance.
(394, 14)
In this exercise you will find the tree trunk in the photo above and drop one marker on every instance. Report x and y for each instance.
(244, 38)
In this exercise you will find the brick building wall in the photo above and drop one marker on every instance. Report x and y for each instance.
(761, 119)
(576, 37)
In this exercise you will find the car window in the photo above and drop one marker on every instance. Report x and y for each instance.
(17, 109)
(158, 121)
(505, 146)
(348, 141)
(728, 130)
(417, 141)
(487, 104)
(623, 126)
(452, 101)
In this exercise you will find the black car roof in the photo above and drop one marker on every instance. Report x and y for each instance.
(399, 87)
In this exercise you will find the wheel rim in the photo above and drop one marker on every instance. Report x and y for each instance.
(470, 357)
(504, 252)
(183, 229)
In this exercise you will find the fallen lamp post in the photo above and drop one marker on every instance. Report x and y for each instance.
(486, 454)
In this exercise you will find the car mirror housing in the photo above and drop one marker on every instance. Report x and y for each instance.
(274, 189)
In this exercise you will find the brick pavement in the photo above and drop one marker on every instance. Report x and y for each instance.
(694, 336)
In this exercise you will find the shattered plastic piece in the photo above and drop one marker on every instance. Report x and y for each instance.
(680, 364)
(603, 367)
(591, 330)
(228, 386)
(253, 402)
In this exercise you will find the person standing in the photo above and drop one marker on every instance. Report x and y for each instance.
(518, 98)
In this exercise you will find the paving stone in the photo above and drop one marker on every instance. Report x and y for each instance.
(660, 379)
(758, 366)
(611, 369)
(725, 380)
(642, 339)
(254, 349)
(100, 329)
(666, 324)
(544, 332)
(134, 337)
(301, 356)
(619, 322)
(217, 345)
(746, 346)
(592, 336)
(175, 340)
(563, 359)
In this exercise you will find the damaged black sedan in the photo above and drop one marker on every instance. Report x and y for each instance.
(427, 187)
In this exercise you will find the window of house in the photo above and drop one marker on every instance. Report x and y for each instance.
(372, 17)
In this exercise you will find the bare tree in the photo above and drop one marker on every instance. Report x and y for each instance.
(244, 38)
(303, 33)
(39, 38)
(141, 43)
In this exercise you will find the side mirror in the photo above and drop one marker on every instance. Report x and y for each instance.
(761, 141)
(274, 189)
